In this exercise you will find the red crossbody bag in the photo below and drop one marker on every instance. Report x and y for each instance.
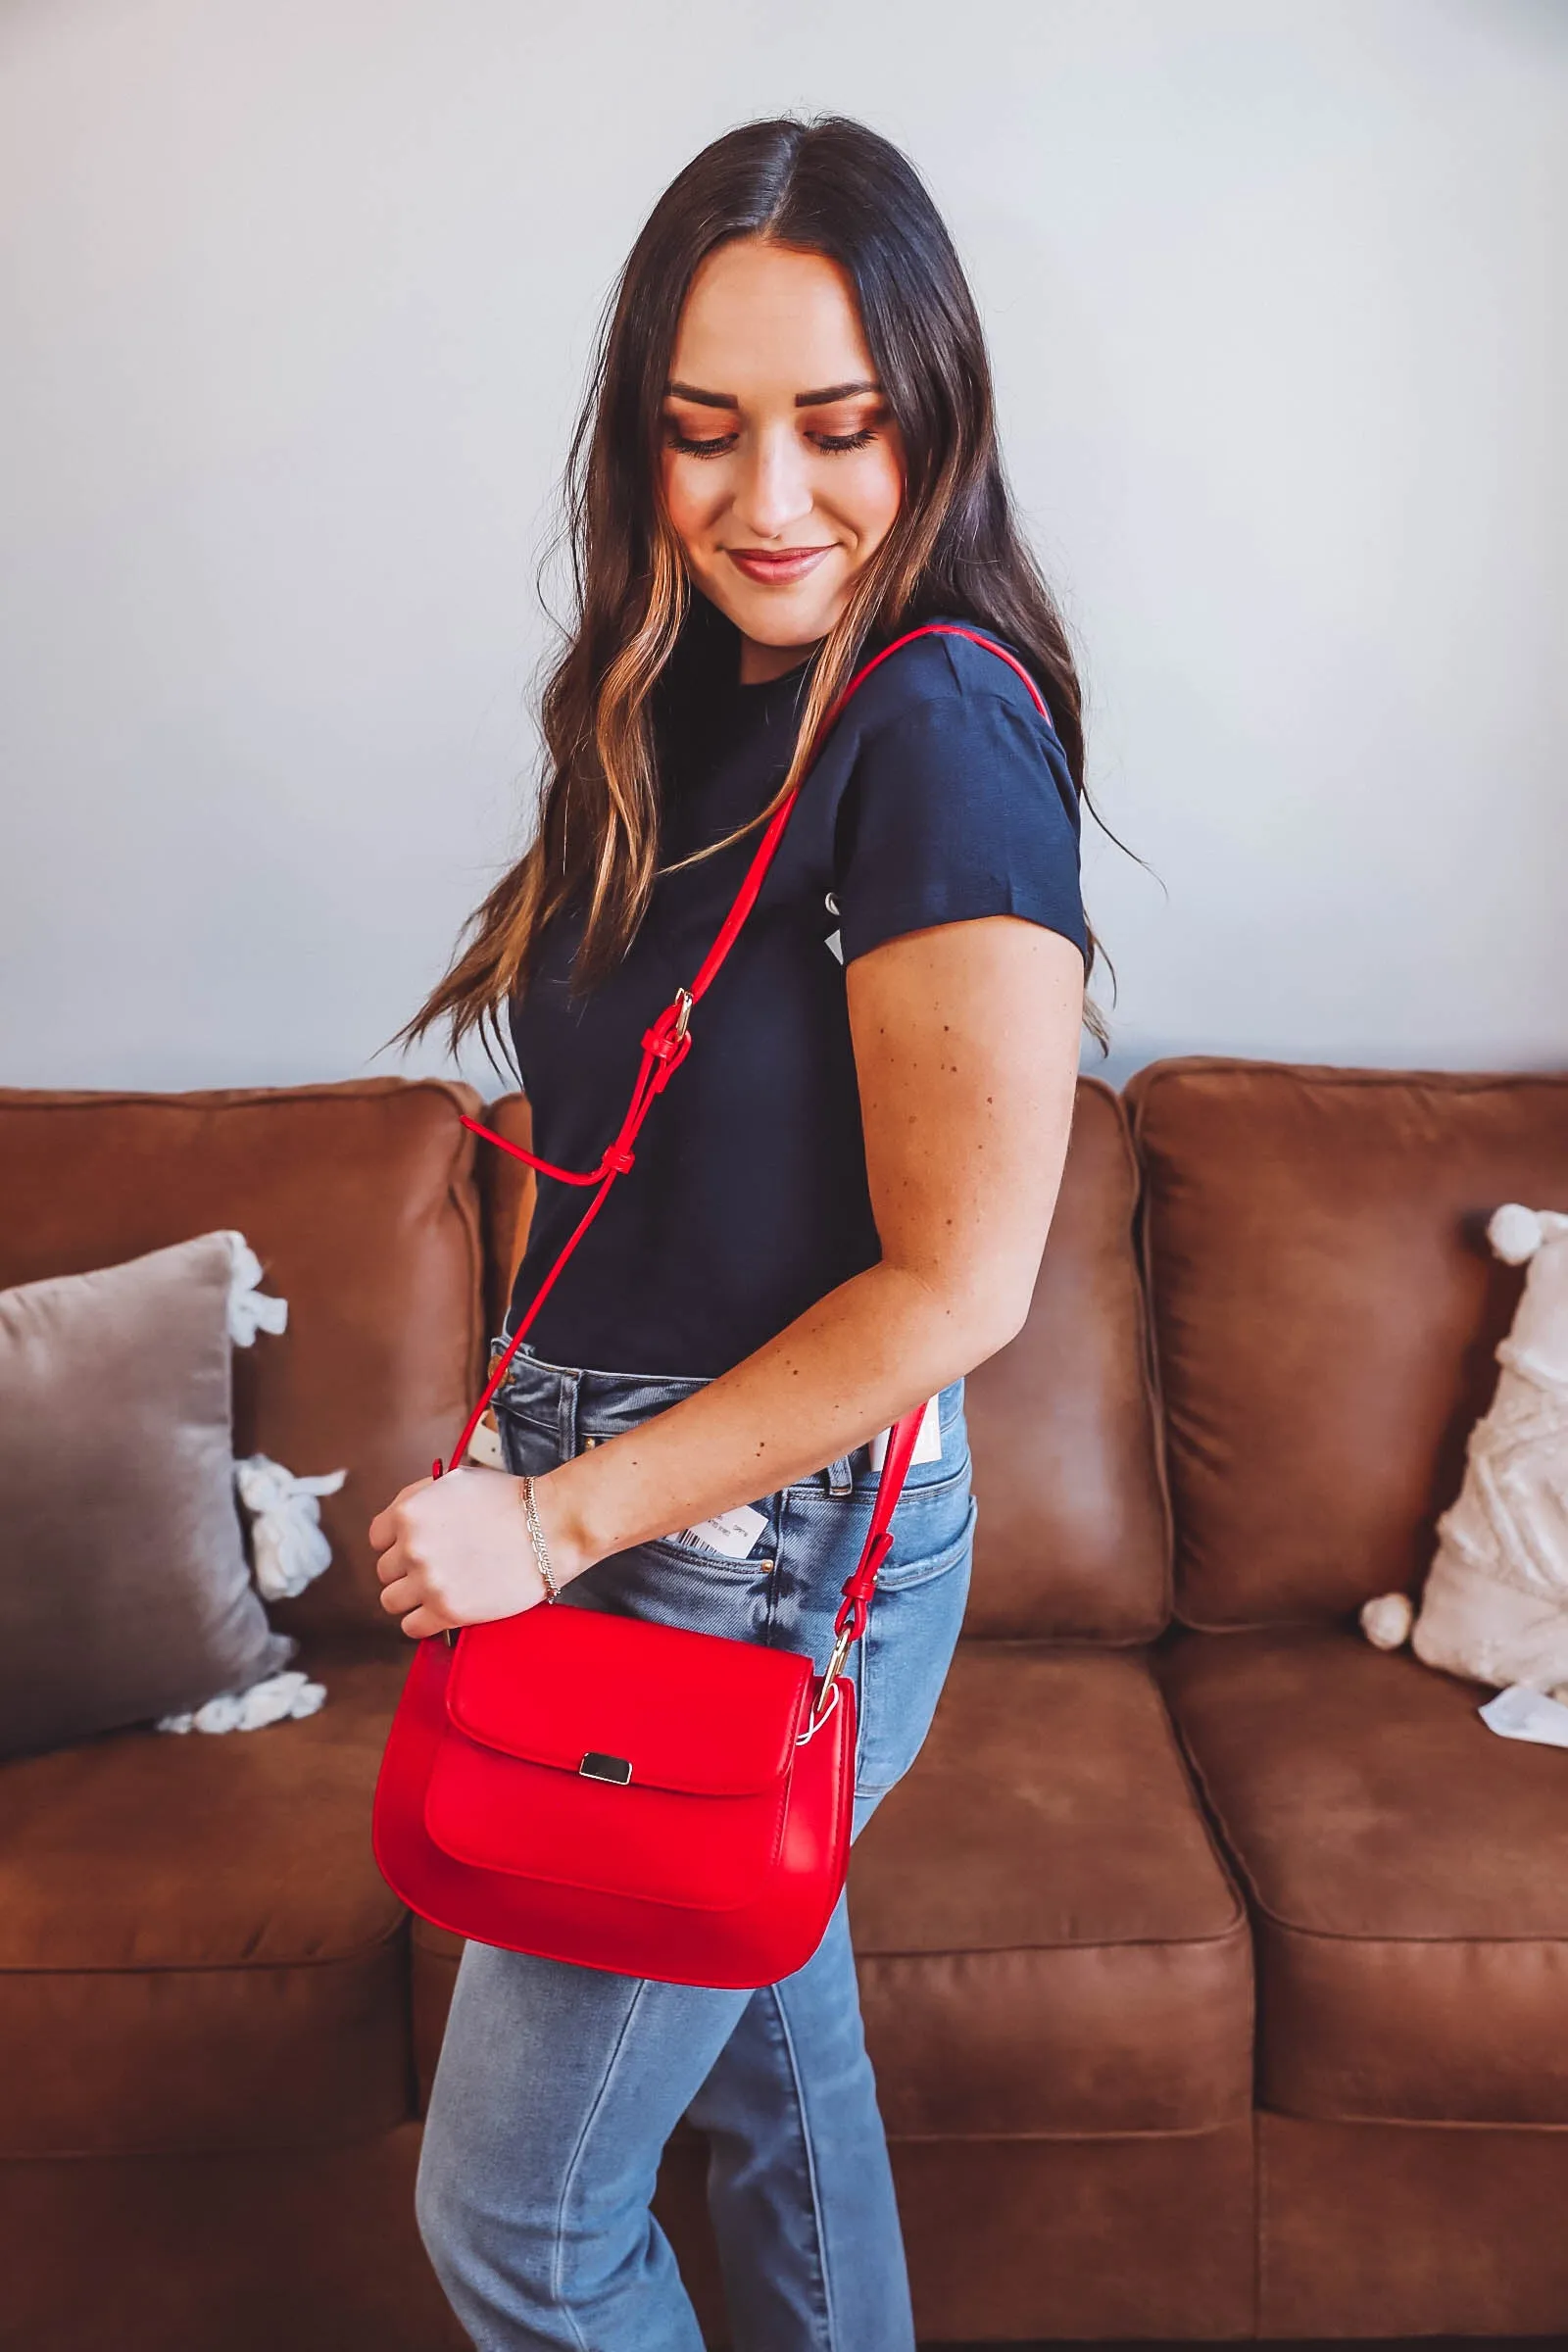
(621, 1794)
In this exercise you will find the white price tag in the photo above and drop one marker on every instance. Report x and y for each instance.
(730, 1532)
(927, 1445)
(484, 1447)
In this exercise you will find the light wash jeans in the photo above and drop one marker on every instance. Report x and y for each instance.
(558, 2085)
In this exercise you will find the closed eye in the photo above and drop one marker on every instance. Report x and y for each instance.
(830, 444)
(701, 449)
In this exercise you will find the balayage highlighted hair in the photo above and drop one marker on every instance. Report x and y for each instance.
(829, 186)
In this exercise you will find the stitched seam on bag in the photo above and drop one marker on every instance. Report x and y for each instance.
(687, 1903)
(480, 1736)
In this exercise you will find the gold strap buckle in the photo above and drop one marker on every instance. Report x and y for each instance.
(827, 1696)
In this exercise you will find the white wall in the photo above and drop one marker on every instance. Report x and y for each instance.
(294, 307)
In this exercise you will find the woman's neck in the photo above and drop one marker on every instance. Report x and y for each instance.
(762, 663)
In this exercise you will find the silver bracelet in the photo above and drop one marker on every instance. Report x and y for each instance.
(536, 1537)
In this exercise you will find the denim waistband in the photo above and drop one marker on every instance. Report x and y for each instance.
(583, 1407)
(592, 1402)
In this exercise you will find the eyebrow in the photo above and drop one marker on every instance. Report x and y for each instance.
(802, 400)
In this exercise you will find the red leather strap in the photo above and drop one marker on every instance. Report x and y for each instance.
(855, 1607)
(666, 1046)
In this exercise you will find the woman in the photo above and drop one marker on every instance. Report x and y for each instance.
(787, 461)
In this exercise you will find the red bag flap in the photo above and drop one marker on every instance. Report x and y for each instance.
(685, 1711)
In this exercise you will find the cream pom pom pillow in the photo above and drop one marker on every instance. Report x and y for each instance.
(1496, 1605)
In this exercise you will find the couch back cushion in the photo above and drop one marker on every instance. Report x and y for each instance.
(1072, 1540)
(1326, 1306)
(360, 1202)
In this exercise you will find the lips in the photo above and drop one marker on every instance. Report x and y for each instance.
(775, 569)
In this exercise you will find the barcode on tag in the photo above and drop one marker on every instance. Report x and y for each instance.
(731, 1534)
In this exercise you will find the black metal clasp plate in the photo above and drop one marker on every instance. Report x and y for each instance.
(615, 1769)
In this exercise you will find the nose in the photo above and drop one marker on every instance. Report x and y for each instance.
(773, 490)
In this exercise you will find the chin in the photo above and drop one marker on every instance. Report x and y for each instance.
(776, 616)
(780, 629)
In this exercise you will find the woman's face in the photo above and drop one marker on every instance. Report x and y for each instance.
(782, 468)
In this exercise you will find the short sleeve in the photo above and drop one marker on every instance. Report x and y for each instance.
(958, 809)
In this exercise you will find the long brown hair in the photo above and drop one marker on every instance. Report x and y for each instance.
(828, 186)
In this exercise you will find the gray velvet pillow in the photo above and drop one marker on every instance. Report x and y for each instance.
(124, 1592)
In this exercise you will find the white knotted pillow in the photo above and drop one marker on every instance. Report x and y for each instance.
(288, 1547)
(1495, 1603)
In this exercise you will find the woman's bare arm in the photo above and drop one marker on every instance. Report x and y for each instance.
(966, 1052)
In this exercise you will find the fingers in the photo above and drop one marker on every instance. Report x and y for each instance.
(400, 1595)
(392, 1564)
(404, 1577)
(406, 1592)
(453, 1558)
(419, 1617)
(402, 1557)
(383, 1528)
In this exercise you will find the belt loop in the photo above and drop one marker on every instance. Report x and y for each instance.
(839, 1477)
(567, 1425)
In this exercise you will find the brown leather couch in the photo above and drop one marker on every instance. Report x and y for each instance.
(1215, 1966)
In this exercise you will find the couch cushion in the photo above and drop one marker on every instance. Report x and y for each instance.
(360, 1202)
(250, 2252)
(196, 1947)
(1424, 2234)
(1073, 1540)
(1047, 1941)
(1410, 1873)
(1326, 1306)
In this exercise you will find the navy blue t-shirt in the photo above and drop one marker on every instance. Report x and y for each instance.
(940, 795)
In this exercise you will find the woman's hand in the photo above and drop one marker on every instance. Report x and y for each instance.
(455, 1551)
